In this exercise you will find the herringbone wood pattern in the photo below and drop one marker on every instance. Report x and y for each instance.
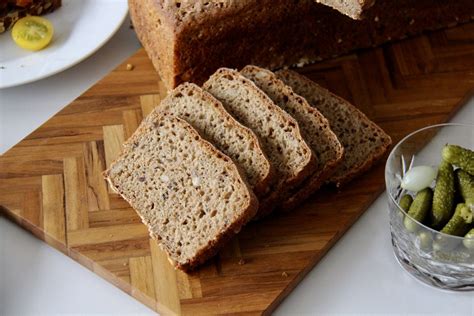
(51, 183)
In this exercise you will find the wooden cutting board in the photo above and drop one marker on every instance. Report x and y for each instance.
(51, 183)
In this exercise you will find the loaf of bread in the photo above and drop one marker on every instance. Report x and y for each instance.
(364, 142)
(189, 40)
(208, 116)
(13, 10)
(191, 197)
(351, 8)
(278, 132)
(314, 128)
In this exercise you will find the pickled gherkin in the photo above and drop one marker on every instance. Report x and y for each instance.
(465, 184)
(443, 198)
(460, 223)
(405, 202)
(469, 239)
(419, 209)
(459, 156)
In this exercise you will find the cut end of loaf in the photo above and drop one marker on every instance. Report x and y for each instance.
(191, 197)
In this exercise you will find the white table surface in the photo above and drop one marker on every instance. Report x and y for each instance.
(358, 276)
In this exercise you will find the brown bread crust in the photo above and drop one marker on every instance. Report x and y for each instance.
(191, 45)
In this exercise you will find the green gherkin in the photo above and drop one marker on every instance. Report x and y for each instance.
(443, 198)
(460, 223)
(419, 209)
(405, 202)
(465, 184)
(459, 156)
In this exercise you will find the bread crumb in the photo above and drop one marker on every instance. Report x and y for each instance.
(284, 274)
(376, 19)
(339, 40)
(130, 67)
(412, 21)
(241, 262)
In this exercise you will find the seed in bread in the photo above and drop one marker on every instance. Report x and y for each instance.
(191, 196)
(278, 132)
(314, 128)
(364, 142)
(208, 116)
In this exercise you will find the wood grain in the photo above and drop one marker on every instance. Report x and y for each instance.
(51, 182)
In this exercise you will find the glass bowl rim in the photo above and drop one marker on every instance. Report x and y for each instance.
(390, 156)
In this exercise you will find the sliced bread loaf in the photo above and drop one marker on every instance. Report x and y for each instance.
(278, 132)
(207, 115)
(314, 128)
(191, 196)
(364, 142)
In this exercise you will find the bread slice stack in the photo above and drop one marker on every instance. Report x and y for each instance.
(208, 116)
(279, 133)
(364, 142)
(314, 128)
(208, 160)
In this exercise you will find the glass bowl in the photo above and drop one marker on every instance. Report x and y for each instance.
(432, 257)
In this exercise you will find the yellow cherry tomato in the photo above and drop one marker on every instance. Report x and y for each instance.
(32, 32)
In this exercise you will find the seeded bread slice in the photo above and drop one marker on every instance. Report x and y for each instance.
(191, 196)
(278, 132)
(314, 128)
(364, 142)
(209, 117)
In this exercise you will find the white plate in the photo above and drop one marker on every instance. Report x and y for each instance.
(81, 28)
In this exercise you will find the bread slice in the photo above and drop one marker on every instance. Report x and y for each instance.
(314, 128)
(191, 196)
(278, 132)
(351, 8)
(207, 115)
(364, 142)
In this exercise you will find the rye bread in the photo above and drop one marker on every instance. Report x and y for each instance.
(278, 132)
(191, 197)
(364, 142)
(190, 40)
(209, 117)
(314, 128)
